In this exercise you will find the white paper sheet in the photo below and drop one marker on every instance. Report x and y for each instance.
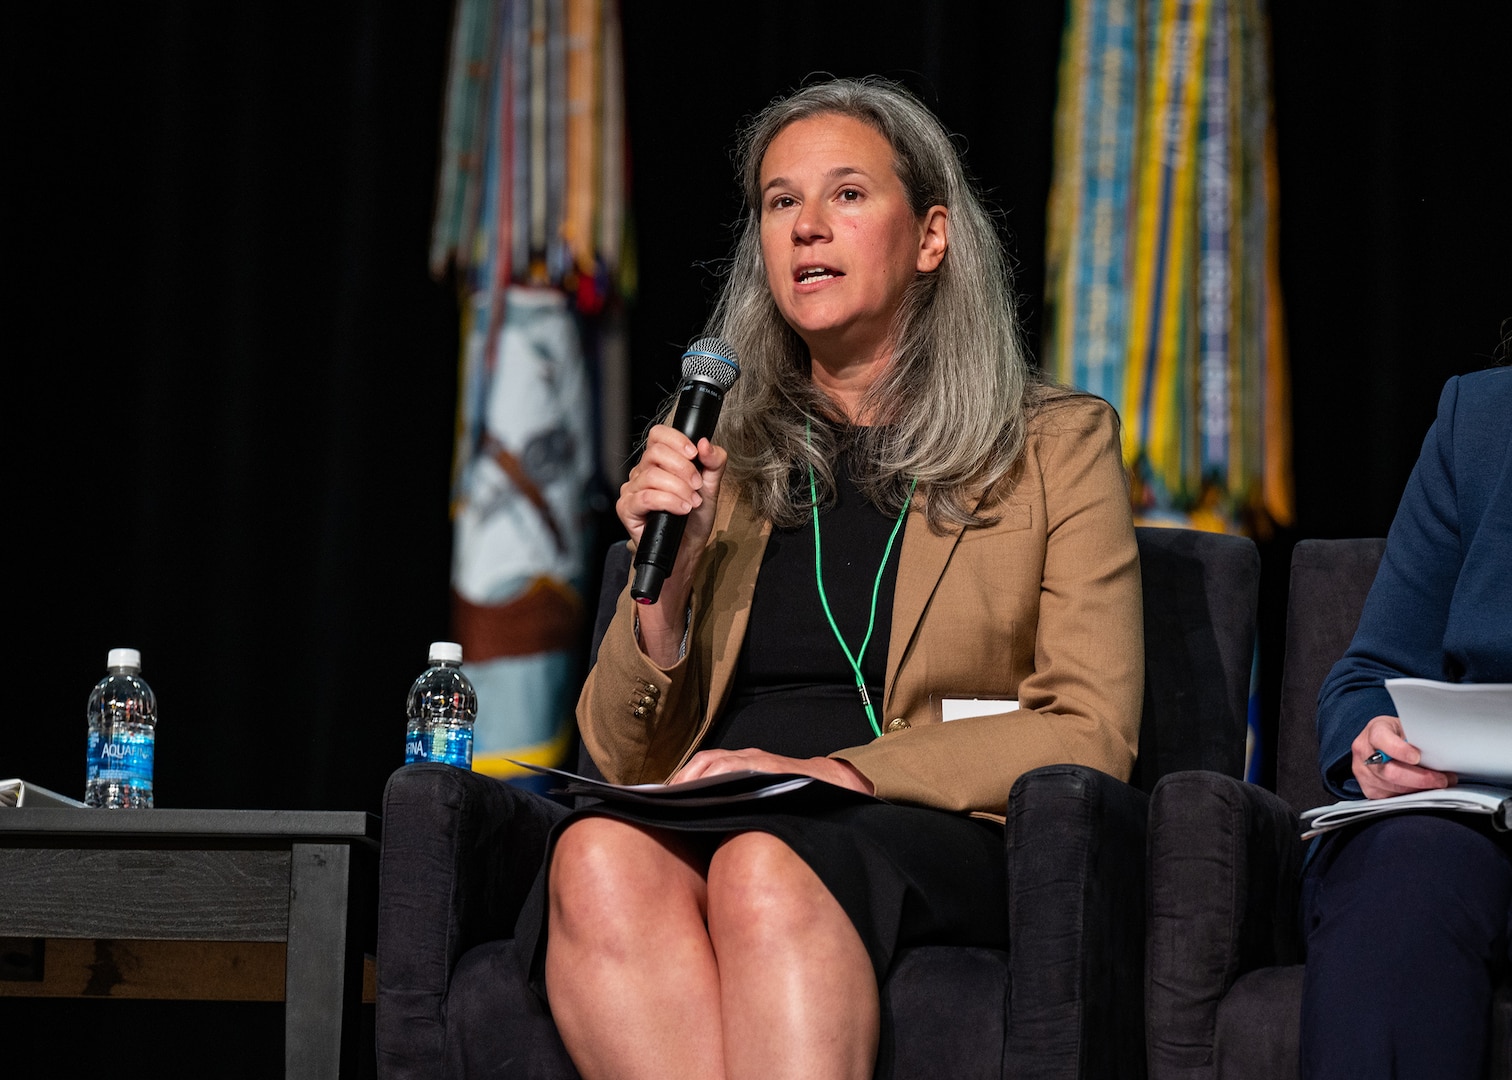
(1463, 728)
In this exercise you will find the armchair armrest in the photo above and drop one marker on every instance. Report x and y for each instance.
(1225, 858)
(460, 851)
(1076, 899)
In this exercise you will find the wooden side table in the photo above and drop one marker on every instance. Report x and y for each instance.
(305, 879)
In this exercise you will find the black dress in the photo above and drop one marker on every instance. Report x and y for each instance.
(904, 874)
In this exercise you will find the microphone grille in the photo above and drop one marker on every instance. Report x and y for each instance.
(711, 359)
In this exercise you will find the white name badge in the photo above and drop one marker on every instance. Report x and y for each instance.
(952, 708)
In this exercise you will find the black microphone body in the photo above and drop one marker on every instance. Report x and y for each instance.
(709, 369)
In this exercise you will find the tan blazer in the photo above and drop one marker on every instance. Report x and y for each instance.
(1042, 607)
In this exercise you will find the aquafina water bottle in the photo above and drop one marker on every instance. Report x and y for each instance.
(122, 736)
(442, 709)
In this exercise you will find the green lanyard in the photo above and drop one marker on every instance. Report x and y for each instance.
(855, 661)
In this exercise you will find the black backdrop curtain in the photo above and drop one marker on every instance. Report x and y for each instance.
(233, 381)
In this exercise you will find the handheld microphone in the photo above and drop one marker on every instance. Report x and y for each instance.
(709, 369)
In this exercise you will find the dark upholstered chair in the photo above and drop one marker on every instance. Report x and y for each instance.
(460, 851)
(1225, 954)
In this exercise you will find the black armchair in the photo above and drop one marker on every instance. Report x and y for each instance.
(1225, 953)
(460, 850)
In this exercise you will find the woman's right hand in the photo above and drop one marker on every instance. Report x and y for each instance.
(667, 478)
(1401, 773)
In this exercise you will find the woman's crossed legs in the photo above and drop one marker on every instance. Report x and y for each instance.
(663, 963)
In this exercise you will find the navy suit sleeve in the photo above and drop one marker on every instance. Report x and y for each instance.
(1401, 631)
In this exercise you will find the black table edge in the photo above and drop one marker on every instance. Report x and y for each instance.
(303, 826)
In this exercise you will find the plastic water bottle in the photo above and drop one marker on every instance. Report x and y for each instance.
(442, 709)
(122, 736)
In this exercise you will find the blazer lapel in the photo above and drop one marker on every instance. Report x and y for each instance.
(920, 564)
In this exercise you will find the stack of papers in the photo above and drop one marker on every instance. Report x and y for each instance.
(720, 790)
(1465, 798)
(1461, 728)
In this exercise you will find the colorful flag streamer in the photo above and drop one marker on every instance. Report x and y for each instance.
(1162, 272)
(530, 222)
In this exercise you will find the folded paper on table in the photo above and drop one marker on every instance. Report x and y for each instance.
(1462, 798)
(1463, 728)
(719, 790)
(20, 793)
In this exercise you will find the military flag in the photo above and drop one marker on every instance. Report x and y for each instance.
(530, 222)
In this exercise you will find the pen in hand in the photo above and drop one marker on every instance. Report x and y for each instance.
(1377, 758)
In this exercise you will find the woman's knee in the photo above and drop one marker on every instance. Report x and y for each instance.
(760, 887)
(608, 876)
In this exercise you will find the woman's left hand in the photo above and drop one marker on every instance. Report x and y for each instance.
(830, 770)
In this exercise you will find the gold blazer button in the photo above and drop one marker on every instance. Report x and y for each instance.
(897, 723)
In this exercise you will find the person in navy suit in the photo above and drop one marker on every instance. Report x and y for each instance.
(1408, 918)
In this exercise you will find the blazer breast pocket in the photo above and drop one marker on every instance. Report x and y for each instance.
(1005, 556)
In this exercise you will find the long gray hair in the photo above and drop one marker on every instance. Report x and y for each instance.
(948, 409)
